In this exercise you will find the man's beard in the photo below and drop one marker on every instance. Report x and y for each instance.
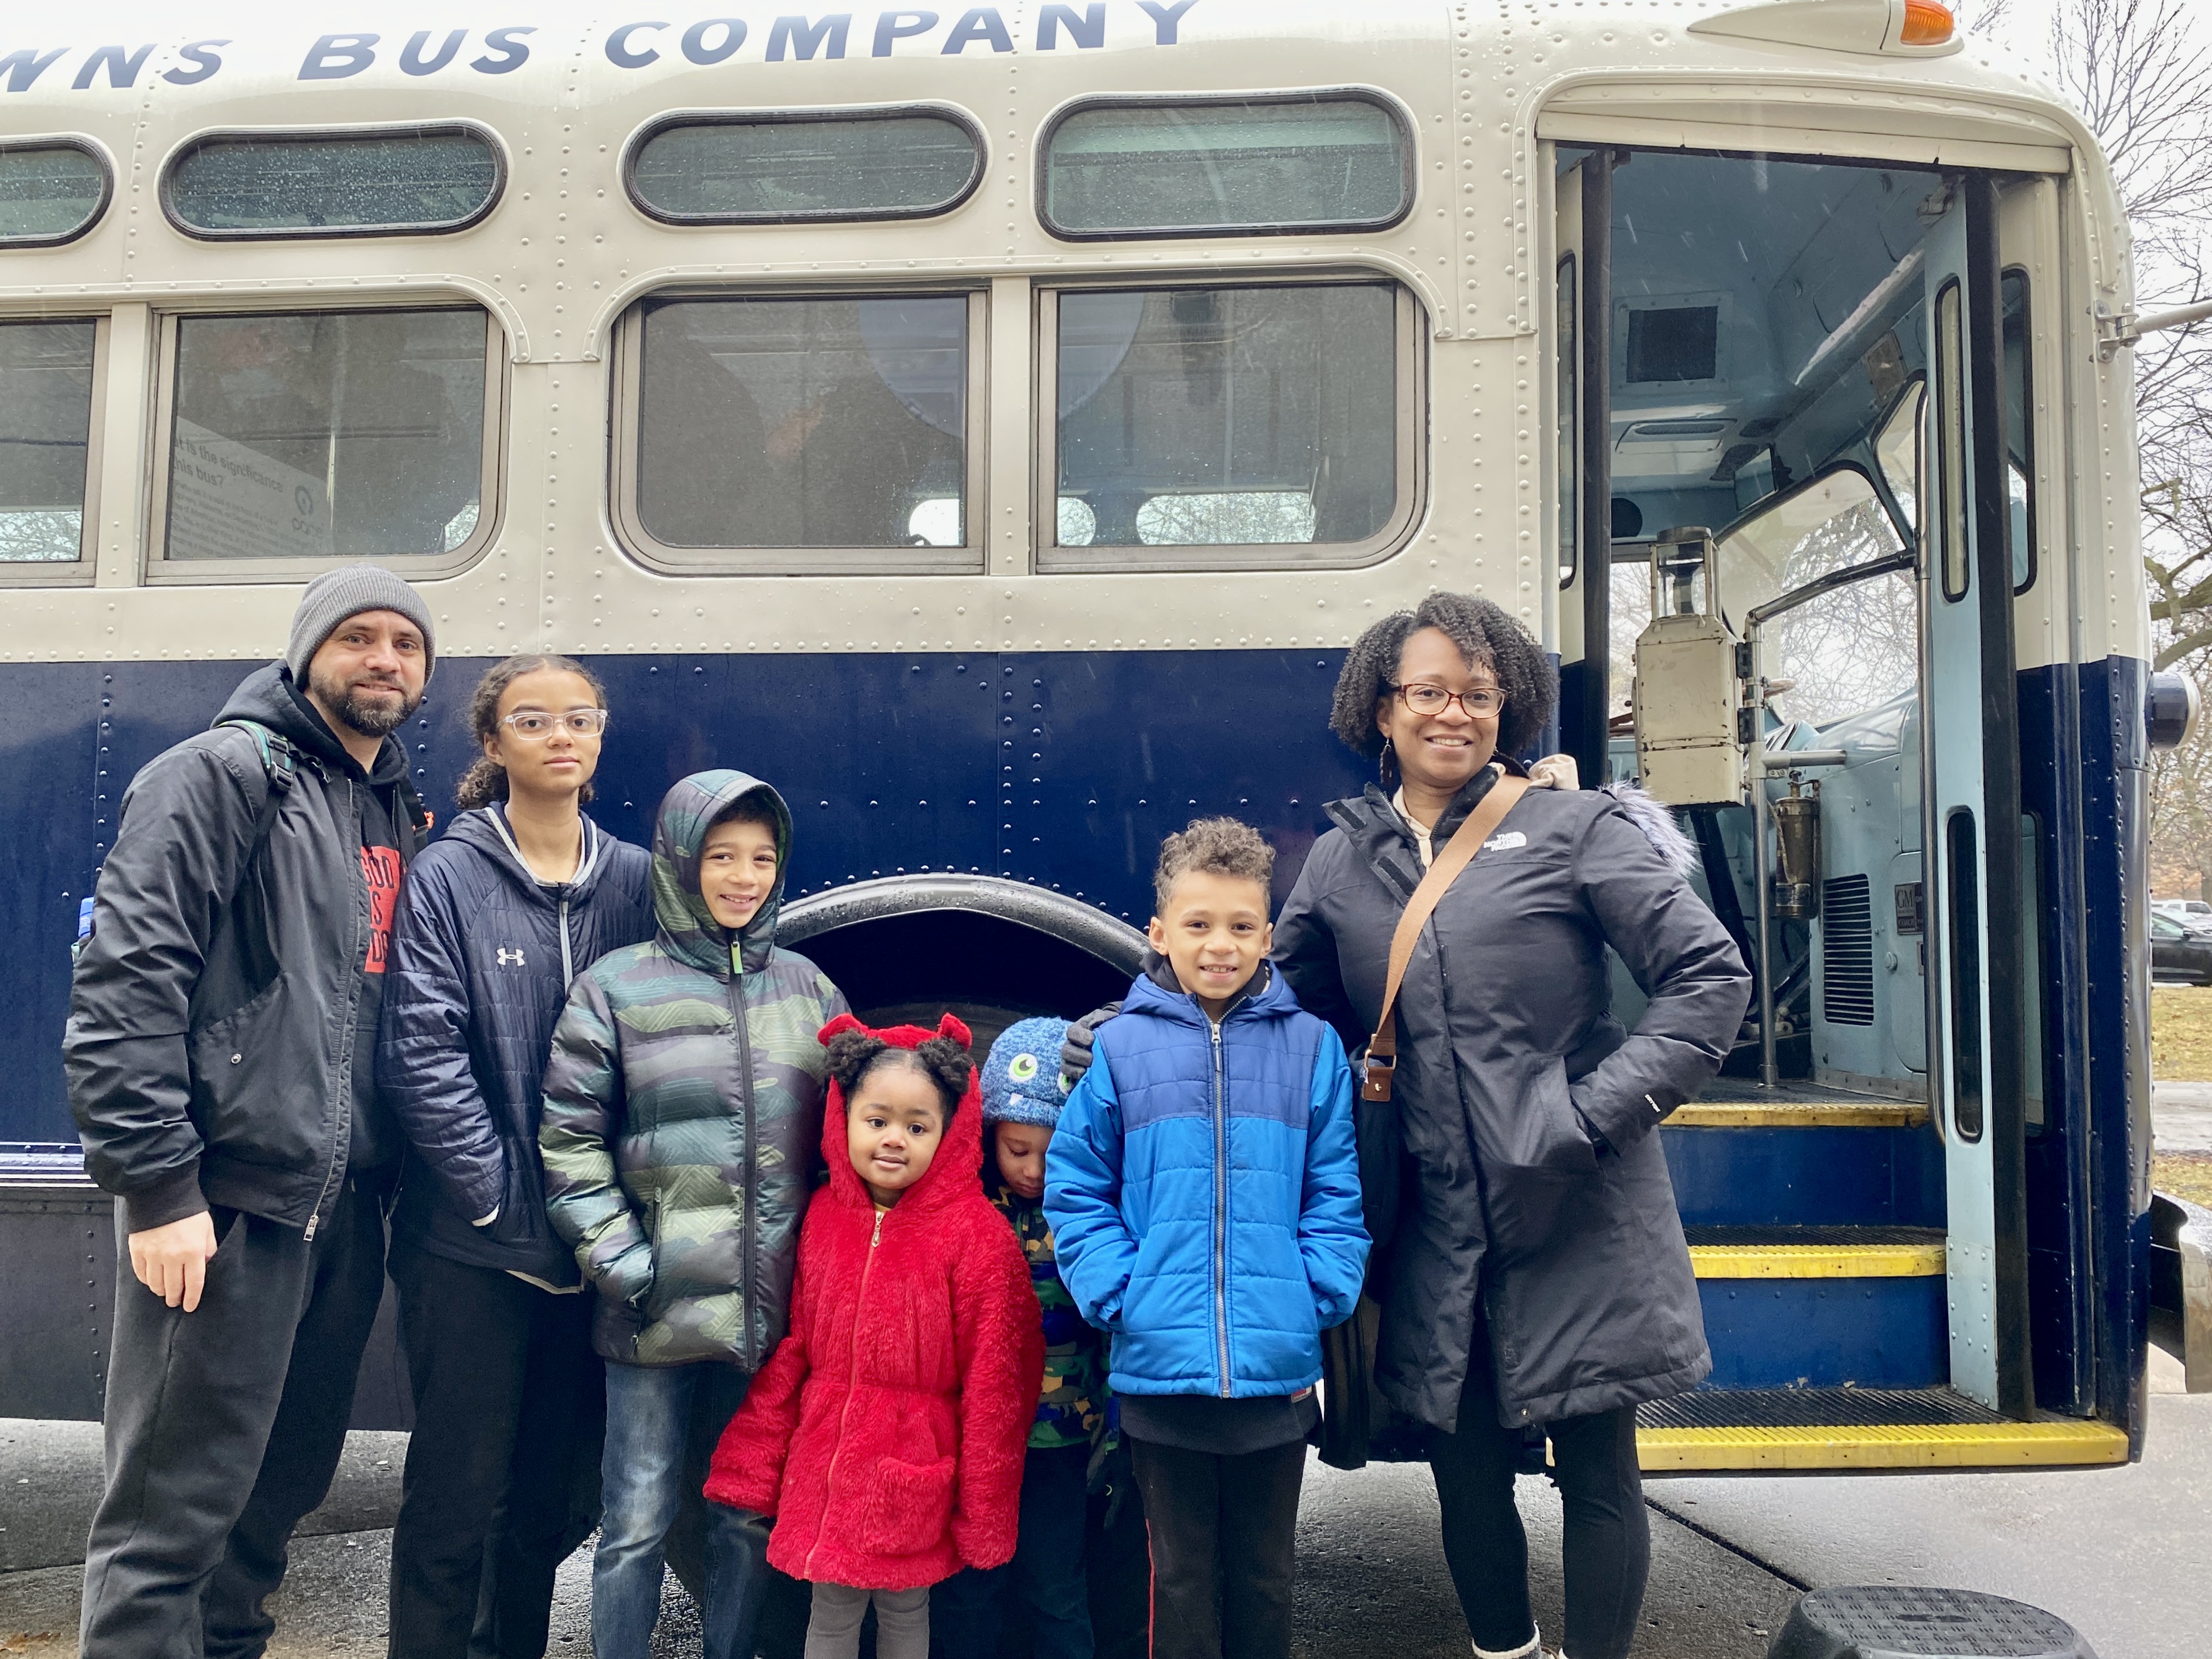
(370, 720)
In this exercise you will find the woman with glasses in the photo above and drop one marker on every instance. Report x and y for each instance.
(1528, 1261)
(521, 893)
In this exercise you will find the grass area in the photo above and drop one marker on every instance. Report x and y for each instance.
(2183, 1175)
(2181, 1033)
(2181, 1051)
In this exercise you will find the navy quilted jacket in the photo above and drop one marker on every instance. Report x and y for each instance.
(1203, 1194)
(481, 957)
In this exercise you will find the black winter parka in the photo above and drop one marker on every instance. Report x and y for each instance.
(481, 956)
(214, 1014)
(1518, 1156)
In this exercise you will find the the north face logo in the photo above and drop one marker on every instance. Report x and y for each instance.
(510, 958)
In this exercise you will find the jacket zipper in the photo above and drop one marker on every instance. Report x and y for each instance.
(1220, 1210)
(852, 1378)
(749, 1230)
(345, 1138)
(568, 961)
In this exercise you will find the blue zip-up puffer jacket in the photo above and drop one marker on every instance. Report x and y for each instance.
(481, 956)
(1203, 1194)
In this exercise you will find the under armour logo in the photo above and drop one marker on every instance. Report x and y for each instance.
(506, 957)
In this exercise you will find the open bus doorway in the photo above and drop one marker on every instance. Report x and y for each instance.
(1807, 383)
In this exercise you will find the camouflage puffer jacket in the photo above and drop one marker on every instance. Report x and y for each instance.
(683, 1121)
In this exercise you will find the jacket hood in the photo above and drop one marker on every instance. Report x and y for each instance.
(956, 1171)
(1156, 990)
(484, 831)
(689, 931)
(267, 695)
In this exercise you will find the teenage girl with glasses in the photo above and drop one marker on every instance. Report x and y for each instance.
(522, 892)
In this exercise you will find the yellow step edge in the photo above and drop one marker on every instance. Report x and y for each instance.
(1817, 1260)
(1908, 1446)
(1798, 1114)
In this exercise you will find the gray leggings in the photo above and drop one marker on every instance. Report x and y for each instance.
(902, 1622)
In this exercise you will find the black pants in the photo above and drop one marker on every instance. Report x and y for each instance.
(1224, 1536)
(1607, 1546)
(223, 1429)
(502, 1468)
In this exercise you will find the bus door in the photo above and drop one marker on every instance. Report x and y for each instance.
(1582, 494)
(1972, 789)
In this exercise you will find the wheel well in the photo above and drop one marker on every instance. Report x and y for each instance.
(990, 949)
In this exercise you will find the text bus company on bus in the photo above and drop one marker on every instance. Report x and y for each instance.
(992, 425)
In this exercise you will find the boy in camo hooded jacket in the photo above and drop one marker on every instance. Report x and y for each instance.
(680, 1137)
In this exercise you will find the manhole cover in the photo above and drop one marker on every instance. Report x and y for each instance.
(1909, 1621)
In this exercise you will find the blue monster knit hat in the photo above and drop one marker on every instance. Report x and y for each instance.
(1021, 1077)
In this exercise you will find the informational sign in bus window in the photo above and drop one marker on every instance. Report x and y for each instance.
(327, 434)
(229, 500)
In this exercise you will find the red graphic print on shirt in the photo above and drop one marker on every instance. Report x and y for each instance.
(380, 867)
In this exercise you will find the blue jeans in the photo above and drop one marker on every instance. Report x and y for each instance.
(649, 1412)
(1047, 1573)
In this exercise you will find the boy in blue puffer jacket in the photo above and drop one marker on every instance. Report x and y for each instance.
(1204, 1198)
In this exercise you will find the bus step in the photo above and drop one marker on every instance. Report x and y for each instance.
(1799, 1308)
(1780, 1429)
(1849, 1161)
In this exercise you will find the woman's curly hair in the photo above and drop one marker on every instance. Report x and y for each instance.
(1486, 637)
(855, 1054)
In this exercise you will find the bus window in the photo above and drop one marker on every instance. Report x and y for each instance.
(2020, 430)
(1896, 448)
(1964, 919)
(45, 441)
(398, 181)
(754, 168)
(1292, 163)
(50, 191)
(1848, 651)
(307, 435)
(1568, 299)
(821, 427)
(1247, 418)
(1951, 439)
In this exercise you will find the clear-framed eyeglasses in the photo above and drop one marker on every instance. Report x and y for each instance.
(1481, 702)
(532, 727)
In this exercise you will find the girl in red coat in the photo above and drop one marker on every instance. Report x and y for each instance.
(886, 1434)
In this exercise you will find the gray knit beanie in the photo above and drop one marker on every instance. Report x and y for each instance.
(347, 592)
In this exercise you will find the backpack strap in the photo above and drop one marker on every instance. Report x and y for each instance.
(1458, 853)
(280, 760)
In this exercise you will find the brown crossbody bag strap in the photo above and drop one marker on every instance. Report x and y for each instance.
(1458, 853)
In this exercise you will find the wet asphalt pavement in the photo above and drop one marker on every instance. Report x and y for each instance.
(2121, 1552)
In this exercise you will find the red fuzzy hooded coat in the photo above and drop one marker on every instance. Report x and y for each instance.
(887, 1432)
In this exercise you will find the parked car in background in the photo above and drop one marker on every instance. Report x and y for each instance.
(2177, 952)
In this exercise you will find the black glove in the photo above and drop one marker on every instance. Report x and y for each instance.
(1075, 1046)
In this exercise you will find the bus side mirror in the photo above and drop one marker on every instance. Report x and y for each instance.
(2170, 706)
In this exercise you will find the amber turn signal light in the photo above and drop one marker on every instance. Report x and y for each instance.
(1927, 23)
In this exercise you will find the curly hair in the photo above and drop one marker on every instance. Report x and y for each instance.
(854, 1056)
(1486, 638)
(1220, 847)
(486, 781)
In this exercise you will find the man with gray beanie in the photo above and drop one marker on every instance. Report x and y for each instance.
(219, 1058)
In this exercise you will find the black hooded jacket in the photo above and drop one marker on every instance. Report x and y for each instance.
(1516, 1159)
(482, 956)
(223, 1014)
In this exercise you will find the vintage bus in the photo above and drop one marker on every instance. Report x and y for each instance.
(992, 423)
